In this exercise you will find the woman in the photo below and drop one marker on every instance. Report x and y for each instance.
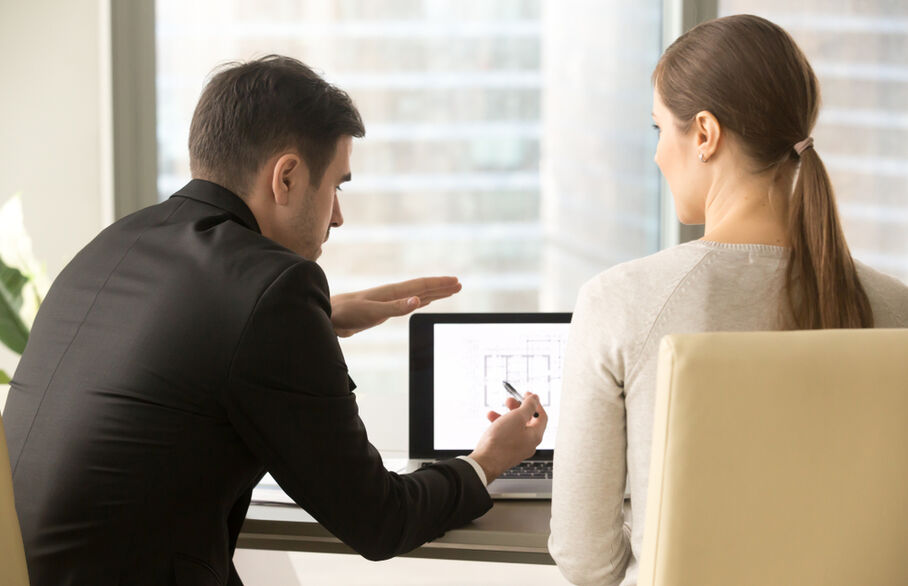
(735, 102)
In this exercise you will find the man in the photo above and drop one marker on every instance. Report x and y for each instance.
(193, 345)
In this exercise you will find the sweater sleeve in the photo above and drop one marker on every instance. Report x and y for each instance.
(589, 539)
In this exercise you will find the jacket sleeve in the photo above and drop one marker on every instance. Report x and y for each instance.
(288, 396)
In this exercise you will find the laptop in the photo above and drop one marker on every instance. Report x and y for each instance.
(458, 364)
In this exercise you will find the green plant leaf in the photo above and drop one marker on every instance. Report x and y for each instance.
(13, 331)
(4, 378)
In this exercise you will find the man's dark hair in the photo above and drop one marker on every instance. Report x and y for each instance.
(250, 111)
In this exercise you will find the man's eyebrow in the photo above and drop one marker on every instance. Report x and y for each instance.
(346, 178)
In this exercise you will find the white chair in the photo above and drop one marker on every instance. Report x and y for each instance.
(13, 571)
(779, 458)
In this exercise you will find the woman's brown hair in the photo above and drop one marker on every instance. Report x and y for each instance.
(753, 78)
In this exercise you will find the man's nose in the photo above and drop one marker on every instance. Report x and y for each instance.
(337, 218)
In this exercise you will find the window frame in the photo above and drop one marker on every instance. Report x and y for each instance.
(132, 93)
(679, 16)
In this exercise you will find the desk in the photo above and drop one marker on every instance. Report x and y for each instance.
(513, 531)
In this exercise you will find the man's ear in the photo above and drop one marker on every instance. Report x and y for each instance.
(708, 131)
(289, 173)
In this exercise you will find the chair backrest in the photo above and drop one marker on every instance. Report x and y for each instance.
(13, 571)
(779, 458)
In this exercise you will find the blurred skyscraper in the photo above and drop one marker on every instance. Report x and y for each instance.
(459, 97)
(508, 142)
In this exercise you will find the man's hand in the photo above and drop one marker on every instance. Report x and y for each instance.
(355, 312)
(512, 437)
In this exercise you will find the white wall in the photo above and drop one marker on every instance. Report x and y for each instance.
(51, 119)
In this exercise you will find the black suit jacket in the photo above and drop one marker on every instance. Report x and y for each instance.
(178, 357)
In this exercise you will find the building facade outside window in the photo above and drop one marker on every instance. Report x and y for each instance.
(507, 143)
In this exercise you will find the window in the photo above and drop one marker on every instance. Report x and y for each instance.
(506, 143)
(857, 50)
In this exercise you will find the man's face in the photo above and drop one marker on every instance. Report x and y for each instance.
(313, 211)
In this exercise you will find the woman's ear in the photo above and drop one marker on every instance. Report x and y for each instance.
(707, 131)
(289, 173)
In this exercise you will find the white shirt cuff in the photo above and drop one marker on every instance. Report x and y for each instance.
(477, 467)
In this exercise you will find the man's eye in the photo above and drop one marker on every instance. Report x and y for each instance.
(657, 128)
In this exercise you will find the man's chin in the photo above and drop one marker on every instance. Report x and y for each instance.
(310, 254)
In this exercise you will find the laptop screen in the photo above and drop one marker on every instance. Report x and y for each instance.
(458, 364)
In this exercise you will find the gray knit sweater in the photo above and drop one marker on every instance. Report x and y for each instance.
(606, 419)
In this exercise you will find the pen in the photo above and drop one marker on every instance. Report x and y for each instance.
(513, 392)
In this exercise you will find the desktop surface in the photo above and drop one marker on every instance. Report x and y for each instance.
(512, 531)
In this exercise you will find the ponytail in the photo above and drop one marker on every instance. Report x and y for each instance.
(769, 109)
(822, 284)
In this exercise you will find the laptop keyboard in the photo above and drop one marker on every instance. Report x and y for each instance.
(530, 469)
(540, 469)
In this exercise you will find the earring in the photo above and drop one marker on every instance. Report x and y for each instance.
(701, 157)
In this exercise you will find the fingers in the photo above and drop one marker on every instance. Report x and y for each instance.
(428, 285)
(536, 416)
(524, 410)
(423, 300)
(426, 288)
(441, 292)
(536, 424)
(530, 405)
(379, 311)
(405, 306)
(543, 418)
